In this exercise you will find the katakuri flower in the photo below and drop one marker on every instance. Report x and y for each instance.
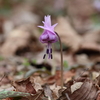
(48, 36)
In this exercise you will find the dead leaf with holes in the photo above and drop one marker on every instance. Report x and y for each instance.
(83, 89)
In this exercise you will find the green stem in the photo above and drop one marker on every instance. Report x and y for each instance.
(61, 52)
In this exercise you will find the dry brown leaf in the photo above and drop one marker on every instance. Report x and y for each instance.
(84, 90)
(21, 38)
(20, 16)
(37, 82)
(17, 39)
(82, 59)
(98, 97)
(78, 43)
(87, 91)
(57, 59)
(79, 7)
(67, 34)
(24, 85)
(68, 75)
(90, 46)
(55, 88)
(91, 49)
(76, 86)
(98, 80)
(47, 91)
(92, 36)
(5, 81)
(95, 74)
(79, 12)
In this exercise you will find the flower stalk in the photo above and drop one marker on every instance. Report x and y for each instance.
(61, 52)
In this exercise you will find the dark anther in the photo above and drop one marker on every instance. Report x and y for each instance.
(44, 56)
(47, 51)
(50, 50)
(51, 56)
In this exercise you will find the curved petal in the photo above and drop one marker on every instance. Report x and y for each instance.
(52, 37)
(47, 21)
(49, 29)
(44, 37)
(48, 36)
(53, 26)
(42, 27)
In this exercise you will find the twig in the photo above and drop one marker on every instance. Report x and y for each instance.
(39, 95)
(2, 77)
(67, 96)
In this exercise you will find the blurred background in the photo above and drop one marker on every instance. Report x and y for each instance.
(78, 27)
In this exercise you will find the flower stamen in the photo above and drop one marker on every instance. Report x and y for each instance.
(44, 56)
(47, 51)
(51, 56)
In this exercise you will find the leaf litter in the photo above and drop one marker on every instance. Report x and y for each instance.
(24, 75)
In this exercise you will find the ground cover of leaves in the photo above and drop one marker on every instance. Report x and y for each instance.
(24, 75)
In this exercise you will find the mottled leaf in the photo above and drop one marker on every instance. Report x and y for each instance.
(5, 94)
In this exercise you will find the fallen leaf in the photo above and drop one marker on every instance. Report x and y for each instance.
(79, 12)
(87, 91)
(21, 40)
(24, 85)
(67, 34)
(76, 86)
(5, 94)
(47, 91)
(98, 97)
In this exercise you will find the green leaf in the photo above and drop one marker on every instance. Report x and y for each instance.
(26, 62)
(5, 94)
(65, 63)
(1, 58)
(34, 61)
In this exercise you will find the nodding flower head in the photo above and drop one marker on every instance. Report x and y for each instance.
(48, 36)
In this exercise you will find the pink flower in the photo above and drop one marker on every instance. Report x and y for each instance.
(48, 36)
